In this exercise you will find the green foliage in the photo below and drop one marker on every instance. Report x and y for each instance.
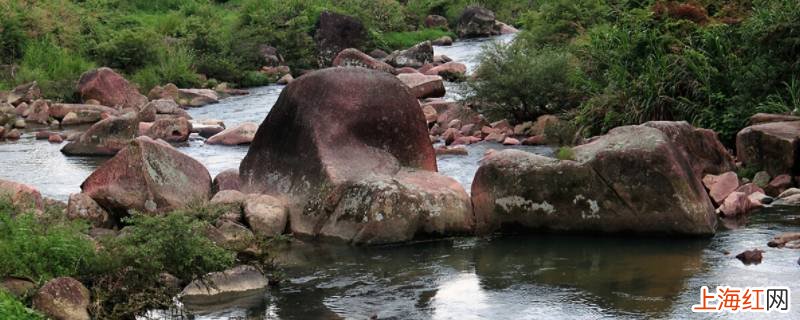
(42, 250)
(565, 153)
(406, 39)
(129, 49)
(521, 83)
(559, 21)
(56, 69)
(13, 309)
(133, 263)
(175, 65)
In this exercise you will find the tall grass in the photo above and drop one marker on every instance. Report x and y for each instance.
(56, 69)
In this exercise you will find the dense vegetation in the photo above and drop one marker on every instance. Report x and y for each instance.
(124, 273)
(155, 42)
(604, 64)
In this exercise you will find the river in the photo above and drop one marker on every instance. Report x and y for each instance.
(511, 277)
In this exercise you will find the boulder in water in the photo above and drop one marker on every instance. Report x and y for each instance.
(241, 134)
(110, 89)
(349, 150)
(149, 176)
(170, 129)
(106, 137)
(422, 86)
(611, 187)
(774, 146)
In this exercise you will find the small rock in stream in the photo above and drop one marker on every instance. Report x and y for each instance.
(750, 257)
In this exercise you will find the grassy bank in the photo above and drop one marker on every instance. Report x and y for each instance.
(125, 272)
(609, 63)
(188, 41)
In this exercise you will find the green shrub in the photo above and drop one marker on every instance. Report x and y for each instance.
(557, 22)
(521, 83)
(565, 153)
(39, 250)
(132, 264)
(407, 39)
(13, 309)
(174, 65)
(130, 49)
(255, 79)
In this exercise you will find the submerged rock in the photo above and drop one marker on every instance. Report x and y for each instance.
(63, 299)
(631, 180)
(110, 89)
(229, 285)
(751, 257)
(106, 137)
(366, 173)
(148, 176)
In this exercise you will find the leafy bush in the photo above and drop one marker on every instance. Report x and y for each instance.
(174, 65)
(407, 39)
(133, 263)
(30, 248)
(55, 69)
(129, 49)
(13, 309)
(521, 83)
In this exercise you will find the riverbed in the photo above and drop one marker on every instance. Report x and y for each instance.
(510, 277)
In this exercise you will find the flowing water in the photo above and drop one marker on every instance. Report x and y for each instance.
(511, 277)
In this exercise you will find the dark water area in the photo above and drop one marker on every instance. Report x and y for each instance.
(527, 277)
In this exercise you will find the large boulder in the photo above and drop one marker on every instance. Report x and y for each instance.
(63, 299)
(354, 58)
(106, 137)
(422, 86)
(349, 150)
(22, 197)
(149, 176)
(226, 180)
(266, 215)
(708, 154)
(760, 118)
(110, 89)
(477, 21)
(168, 107)
(632, 180)
(414, 57)
(336, 32)
(774, 147)
(241, 134)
